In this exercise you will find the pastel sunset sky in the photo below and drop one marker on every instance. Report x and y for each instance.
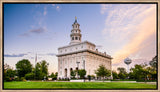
(120, 30)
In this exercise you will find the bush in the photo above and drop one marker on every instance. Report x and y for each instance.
(146, 80)
(29, 76)
(23, 79)
(54, 78)
(16, 79)
(7, 78)
(64, 79)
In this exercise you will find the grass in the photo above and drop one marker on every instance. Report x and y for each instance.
(76, 85)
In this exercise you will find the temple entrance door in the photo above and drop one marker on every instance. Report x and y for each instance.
(71, 71)
(77, 72)
(65, 73)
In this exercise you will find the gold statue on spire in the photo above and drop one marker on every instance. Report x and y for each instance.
(75, 17)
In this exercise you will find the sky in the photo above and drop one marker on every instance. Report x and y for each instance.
(120, 30)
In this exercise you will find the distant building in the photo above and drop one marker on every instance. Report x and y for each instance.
(80, 55)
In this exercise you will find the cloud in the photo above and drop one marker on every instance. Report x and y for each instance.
(145, 29)
(25, 34)
(104, 7)
(29, 52)
(52, 54)
(45, 11)
(37, 31)
(58, 8)
(53, 5)
(14, 55)
(129, 27)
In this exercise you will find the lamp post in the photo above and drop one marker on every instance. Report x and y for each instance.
(78, 68)
(35, 66)
(83, 66)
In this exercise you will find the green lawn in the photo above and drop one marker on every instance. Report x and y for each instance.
(76, 85)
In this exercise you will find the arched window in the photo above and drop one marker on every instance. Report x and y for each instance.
(76, 38)
(76, 68)
(72, 38)
(79, 38)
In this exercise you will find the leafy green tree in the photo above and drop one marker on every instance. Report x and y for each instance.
(23, 67)
(82, 73)
(131, 75)
(92, 76)
(6, 67)
(52, 75)
(122, 76)
(73, 73)
(29, 76)
(115, 75)
(37, 71)
(102, 72)
(139, 71)
(44, 67)
(153, 63)
(153, 68)
(121, 70)
(56, 74)
(122, 73)
(41, 70)
(9, 73)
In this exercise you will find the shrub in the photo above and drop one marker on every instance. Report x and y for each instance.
(29, 76)
(16, 79)
(7, 78)
(23, 79)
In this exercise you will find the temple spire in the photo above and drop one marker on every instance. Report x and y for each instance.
(75, 33)
(75, 19)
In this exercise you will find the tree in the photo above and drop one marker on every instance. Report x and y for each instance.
(82, 73)
(121, 70)
(6, 67)
(56, 74)
(9, 73)
(29, 76)
(52, 75)
(102, 72)
(115, 75)
(122, 76)
(122, 73)
(41, 70)
(44, 67)
(153, 63)
(92, 76)
(73, 73)
(139, 71)
(131, 75)
(153, 68)
(37, 71)
(23, 67)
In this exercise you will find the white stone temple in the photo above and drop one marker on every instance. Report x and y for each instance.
(80, 55)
